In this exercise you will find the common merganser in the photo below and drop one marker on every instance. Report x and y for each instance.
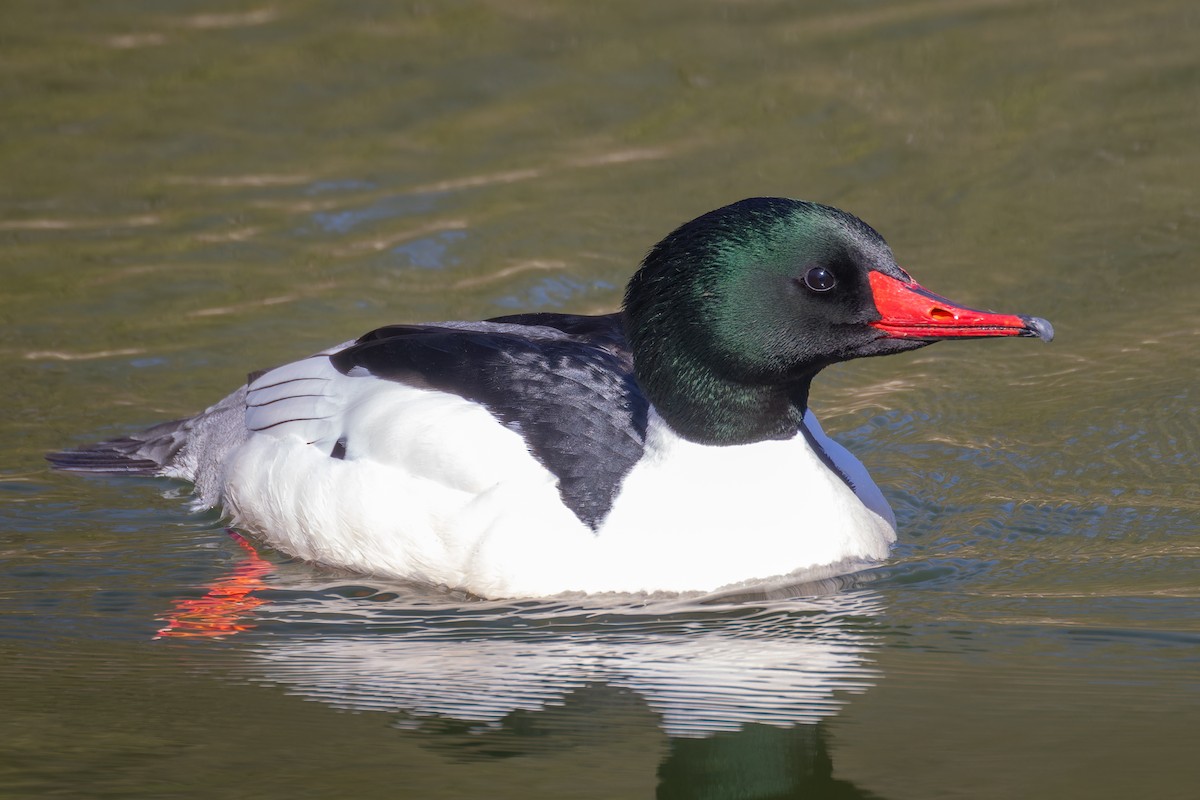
(667, 447)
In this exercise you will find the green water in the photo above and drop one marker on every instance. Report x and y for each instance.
(195, 190)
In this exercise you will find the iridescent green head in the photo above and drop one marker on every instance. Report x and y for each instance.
(732, 314)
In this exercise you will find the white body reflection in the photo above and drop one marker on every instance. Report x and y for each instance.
(703, 665)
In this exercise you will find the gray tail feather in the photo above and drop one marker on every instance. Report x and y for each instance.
(145, 453)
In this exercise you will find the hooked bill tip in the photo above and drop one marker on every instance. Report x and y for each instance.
(1039, 327)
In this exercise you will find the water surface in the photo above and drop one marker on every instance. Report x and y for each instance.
(195, 191)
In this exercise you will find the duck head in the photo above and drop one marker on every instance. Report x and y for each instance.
(732, 314)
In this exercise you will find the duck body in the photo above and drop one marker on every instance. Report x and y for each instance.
(449, 490)
(668, 447)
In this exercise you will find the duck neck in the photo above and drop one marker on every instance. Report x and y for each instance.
(711, 409)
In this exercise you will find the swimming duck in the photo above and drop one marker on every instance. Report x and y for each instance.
(667, 447)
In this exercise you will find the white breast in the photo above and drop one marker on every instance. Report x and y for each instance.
(696, 518)
(714, 516)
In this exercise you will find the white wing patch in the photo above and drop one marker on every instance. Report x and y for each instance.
(428, 434)
(303, 399)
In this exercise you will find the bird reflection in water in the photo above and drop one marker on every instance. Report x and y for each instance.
(743, 686)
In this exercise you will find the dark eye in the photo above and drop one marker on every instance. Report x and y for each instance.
(819, 279)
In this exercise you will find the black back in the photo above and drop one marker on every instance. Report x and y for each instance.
(563, 382)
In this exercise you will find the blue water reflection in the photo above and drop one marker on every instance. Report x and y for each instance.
(552, 292)
(344, 220)
(431, 252)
